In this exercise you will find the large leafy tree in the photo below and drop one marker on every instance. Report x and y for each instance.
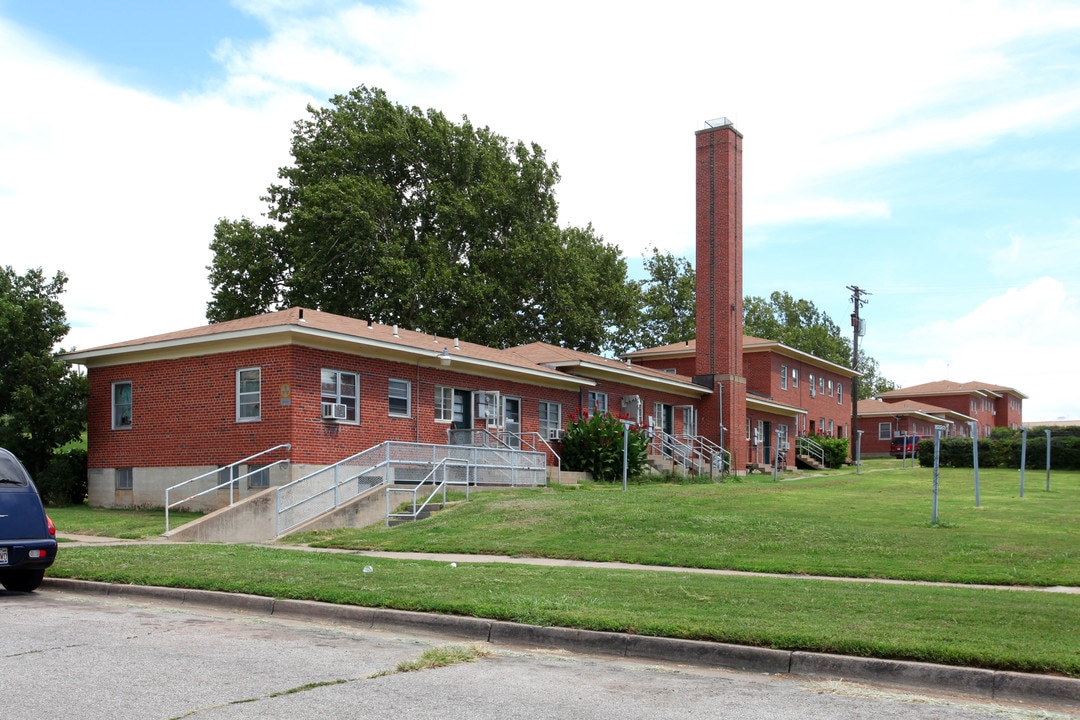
(402, 216)
(667, 306)
(668, 315)
(42, 400)
(798, 324)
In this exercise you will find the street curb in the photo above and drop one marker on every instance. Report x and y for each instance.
(968, 681)
(979, 683)
(711, 654)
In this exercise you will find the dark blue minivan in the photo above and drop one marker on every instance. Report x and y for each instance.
(27, 535)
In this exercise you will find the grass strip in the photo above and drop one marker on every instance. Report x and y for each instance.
(107, 522)
(1001, 629)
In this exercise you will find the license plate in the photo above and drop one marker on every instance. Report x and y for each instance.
(3, 556)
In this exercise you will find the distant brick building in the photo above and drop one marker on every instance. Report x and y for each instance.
(956, 406)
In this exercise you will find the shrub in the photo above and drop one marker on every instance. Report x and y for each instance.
(1003, 451)
(64, 480)
(594, 443)
(836, 450)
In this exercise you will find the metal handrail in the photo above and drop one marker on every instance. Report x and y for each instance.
(334, 488)
(327, 480)
(532, 446)
(681, 451)
(804, 445)
(453, 435)
(709, 450)
(231, 482)
(417, 510)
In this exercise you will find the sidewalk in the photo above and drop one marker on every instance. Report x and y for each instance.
(557, 562)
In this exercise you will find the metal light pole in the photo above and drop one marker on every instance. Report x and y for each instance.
(1023, 457)
(625, 449)
(937, 464)
(975, 457)
(1047, 461)
(776, 455)
(858, 452)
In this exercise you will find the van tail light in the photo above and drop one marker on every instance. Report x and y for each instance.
(52, 528)
(38, 554)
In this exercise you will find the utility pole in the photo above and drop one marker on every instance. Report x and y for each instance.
(858, 330)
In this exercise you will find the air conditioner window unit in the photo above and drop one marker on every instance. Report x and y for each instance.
(556, 434)
(334, 411)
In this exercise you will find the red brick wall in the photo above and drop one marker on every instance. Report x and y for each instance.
(765, 450)
(763, 375)
(719, 310)
(184, 411)
(686, 366)
(903, 424)
(1010, 411)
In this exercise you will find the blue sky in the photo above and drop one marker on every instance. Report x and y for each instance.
(927, 152)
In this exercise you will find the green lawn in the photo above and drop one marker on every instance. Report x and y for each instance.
(876, 524)
(125, 524)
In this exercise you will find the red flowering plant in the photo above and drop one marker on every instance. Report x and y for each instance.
(594, 443)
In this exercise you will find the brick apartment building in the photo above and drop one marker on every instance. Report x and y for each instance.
(958, 406)
(166, 408)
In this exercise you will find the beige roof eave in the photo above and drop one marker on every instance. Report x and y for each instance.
(278, 335)
(755, 403)
(630, 377)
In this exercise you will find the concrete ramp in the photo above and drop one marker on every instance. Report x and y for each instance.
(253, 519)
(367, 508)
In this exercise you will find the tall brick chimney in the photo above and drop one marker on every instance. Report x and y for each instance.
(719, 362)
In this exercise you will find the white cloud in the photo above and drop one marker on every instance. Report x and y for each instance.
(1022, 339)
(121, 189)
(1038, 254)
(787, 210)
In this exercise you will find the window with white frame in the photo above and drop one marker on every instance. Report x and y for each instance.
(884, 431)
(444, 403)
(748, 429)
(783, 377)
(813, 391)
(830, 389)
(341, 388)
(121, 405)
(839, 393)
(550, 418)
(249, 394)
(690, 420)
(832, 428)
(399, 398)
(632, 407)
(794, 377)
(821, 385)
(125, 478)
(597, 402)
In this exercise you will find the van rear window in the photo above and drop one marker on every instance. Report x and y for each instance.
(12, 473)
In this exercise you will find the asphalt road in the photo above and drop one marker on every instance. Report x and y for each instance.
(68, 655)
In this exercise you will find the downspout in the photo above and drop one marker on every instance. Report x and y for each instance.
(414, 406)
